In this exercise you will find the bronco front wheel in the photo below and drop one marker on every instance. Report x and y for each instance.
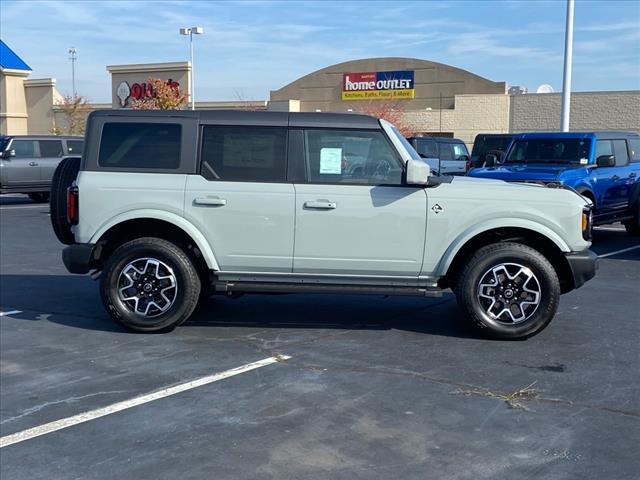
(149, 284)
(509, 290)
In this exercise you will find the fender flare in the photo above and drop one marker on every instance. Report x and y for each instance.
(495, 224)
(172, 218)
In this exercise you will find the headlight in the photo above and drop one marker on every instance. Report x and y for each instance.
(587, 223)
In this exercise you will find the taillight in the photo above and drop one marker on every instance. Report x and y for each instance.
(72, 205)
(469, 165)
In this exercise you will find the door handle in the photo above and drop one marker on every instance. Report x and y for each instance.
(210, 201)
(321, 205)
(33, 164)
(615, 177)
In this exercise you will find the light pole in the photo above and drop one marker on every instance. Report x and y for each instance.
(73, 56)
(191, 31)
(566, 80)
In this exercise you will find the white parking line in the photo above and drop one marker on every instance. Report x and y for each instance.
(11, 312)
(619, 251)
(133, 402)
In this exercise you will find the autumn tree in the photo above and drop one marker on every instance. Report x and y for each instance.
(161, 95)
(390, 111)
(75, 110)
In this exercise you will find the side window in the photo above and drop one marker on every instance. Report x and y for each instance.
(634, 146)
(459, 150)
(603, 147)
(75, 146)
(446, 151)
(140, 145)
(244, 154)
(24, 148)
(428, 148)
(50, 148)
(350, 156)
(622, 155)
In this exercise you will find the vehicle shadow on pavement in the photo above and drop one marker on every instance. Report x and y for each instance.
(74, 301)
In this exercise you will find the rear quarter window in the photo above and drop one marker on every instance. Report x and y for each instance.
(140, 145)
(74, 147)
(634, 148)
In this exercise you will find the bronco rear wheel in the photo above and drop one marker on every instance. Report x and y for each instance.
(509, 290)
(149, 285)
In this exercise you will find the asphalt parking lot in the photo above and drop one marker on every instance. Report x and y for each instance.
(374, 387)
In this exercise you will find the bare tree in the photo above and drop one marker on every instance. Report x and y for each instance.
(390, 111)
(161, 95)
(75, 110)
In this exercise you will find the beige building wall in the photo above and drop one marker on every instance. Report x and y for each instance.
(13, 104)
(589, 111)
(41, 96)
(179, 72)
(472, 114)
(435, 85)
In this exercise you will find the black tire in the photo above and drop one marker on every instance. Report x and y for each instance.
(480, 264)
(39, 197)
(633, 226)
(185, 297)
(66, 172)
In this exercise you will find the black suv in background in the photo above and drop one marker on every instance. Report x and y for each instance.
(489, 143)
(27, 162)
(445, 156)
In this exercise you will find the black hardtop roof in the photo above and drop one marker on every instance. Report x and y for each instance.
(243, 117)
(602, 134)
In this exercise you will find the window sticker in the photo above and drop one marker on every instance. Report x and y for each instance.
(331, 161)
(584, 161)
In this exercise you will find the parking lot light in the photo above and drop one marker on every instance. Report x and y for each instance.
(191, 31)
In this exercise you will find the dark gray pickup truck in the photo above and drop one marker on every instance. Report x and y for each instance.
(27, 162)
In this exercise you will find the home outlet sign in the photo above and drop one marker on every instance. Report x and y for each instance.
(395, 85)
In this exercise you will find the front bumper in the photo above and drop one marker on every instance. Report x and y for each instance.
(78, 258)
(583, 266)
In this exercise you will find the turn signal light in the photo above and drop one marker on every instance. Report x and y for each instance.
(72, 205)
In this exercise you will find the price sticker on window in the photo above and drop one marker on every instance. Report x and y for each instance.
(331, 161)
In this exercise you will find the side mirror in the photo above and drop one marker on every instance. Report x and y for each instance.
(8, 153)
(490, 160)
(417, 172)
(606, 161)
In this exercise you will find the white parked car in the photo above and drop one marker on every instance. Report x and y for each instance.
(172, 205)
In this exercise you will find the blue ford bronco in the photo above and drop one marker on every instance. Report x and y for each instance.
(602, 166)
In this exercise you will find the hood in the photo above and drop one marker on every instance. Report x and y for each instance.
(520, 171)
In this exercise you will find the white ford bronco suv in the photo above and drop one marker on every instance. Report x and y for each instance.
(169, 206)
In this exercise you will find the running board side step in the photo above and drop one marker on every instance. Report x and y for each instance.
(230, 288)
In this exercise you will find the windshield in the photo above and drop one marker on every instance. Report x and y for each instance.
(550, 150)
(486, 142)
(4, 141)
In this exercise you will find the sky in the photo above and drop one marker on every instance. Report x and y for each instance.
(251, 47)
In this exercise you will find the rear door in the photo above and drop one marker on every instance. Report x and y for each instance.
(23, 169)
(51, 152)
(346, 224)
(625, 174)
(241, 200)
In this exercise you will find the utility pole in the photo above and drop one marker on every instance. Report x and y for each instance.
(568, 59)
(73, 56)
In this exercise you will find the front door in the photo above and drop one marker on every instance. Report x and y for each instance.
(364, 223)
(610, 185)
(241, 201)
